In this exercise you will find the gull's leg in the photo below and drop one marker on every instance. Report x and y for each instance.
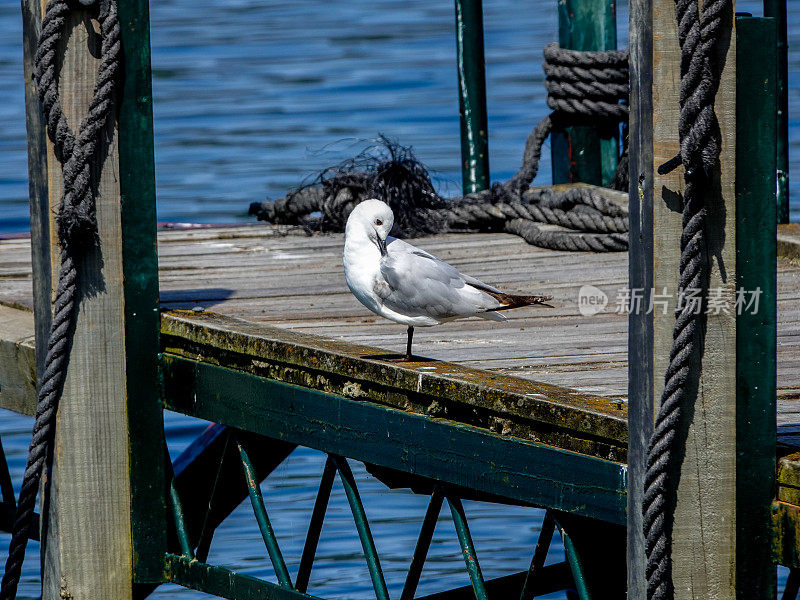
(408, 345)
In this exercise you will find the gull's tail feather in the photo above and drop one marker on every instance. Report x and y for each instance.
(509, 301)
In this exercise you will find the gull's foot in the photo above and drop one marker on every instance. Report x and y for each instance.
(406, 358)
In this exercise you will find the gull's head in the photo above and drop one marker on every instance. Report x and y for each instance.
(372, 218)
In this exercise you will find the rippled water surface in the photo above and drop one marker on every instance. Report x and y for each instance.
(250, 98)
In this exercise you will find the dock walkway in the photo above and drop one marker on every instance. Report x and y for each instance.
(289, 280)
(273, 302)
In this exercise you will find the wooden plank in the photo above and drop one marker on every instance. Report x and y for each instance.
(37, 179)
(704, 531)
(255, 290)
(789, 240)
(88, 482)
(560, 417)
(17, 361)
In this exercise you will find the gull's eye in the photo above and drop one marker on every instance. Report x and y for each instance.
(378, 222)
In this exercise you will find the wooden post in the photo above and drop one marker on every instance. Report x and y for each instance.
(584, 153)
(726, 467)
(110, 392)
(641, 374)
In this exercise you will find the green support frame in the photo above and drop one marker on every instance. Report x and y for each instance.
(140, 265)
(776, 9)
(416, 444)
(756, 375)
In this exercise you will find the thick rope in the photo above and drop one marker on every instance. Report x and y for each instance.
(581, 86)
(700, 146)
(589, 84)
(77, 231)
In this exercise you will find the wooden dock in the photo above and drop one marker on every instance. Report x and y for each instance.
(253, 329)
(283, 278)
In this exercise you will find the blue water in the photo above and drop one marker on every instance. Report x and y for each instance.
(250, 98)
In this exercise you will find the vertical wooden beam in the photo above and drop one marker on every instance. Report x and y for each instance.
(640, 277)
(37, 182)
(756, 268)
(472, 96)
(88, 548)
(704, 527)
(586, 153)
(87, 544)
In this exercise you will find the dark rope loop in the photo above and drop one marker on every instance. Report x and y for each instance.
(700, 146)
(589, 85)
(580, 85)
(77, 231)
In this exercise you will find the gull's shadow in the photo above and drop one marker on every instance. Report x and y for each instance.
(191, 298)
(397, 358)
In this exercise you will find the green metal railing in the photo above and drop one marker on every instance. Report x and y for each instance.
(185, 564)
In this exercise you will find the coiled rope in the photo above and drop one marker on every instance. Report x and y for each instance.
(582, 87)
(699, 134)
(77, 233)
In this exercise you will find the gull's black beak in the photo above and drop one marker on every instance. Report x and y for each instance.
(381, 245)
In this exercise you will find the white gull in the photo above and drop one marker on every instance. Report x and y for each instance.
(410, 286)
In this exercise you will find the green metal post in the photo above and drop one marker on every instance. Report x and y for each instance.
(264, 525)
(777, 10)
(585, 153)
(315, 525)
(362, 526)
(539, 556)
(472, 96)
(467, 548)
(423, 545)
(756, 378)
(180, 520)
(142, 319)
(575, 565)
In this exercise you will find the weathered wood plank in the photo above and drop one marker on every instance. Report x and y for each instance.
(640, 378)
(327, 306)
(704, 530)
(17, 361)
(591, 425)
(88, 482)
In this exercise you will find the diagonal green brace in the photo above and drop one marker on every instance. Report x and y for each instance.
(264, 525)
(362, 525)
(467, 548)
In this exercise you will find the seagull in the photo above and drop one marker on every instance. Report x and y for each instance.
(410, 286)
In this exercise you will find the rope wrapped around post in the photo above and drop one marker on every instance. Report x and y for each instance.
(581, 86)
(698, 35)
(77, 232)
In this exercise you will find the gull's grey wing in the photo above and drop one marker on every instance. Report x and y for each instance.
(419, 284)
